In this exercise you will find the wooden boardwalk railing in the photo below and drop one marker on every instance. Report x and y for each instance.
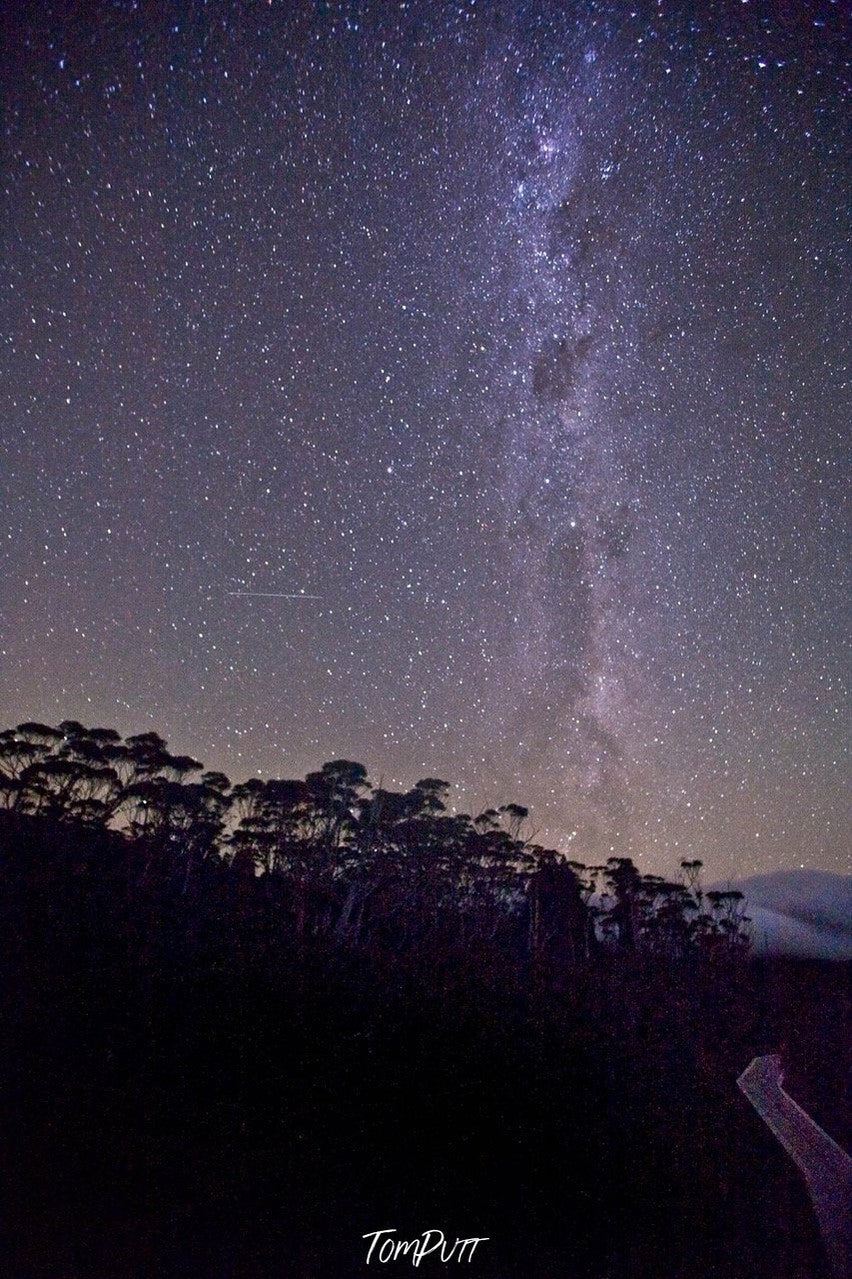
(826, 1167)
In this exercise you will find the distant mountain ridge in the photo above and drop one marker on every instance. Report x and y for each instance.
(799, 912)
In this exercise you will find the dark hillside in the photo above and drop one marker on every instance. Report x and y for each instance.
(190, 1088)
(243, 1026)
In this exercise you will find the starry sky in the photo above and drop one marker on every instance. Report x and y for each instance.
(454, 387)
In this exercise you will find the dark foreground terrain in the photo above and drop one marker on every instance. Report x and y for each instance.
(196, 1082)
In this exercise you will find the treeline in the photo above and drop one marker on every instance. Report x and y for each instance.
(356, 861)
(243, 1025)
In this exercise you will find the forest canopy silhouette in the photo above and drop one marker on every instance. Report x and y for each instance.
(243, 1024)
(350, 856)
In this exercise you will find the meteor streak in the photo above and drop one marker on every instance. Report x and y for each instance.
(276, 595)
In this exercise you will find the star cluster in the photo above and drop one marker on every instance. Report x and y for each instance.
(458, 388)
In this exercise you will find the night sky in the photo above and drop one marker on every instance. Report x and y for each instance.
(511, 336)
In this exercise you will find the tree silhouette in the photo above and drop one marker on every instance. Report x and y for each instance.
(354, 858)
(244, 993)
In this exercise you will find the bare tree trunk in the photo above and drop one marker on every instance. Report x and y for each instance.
(345, 915)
